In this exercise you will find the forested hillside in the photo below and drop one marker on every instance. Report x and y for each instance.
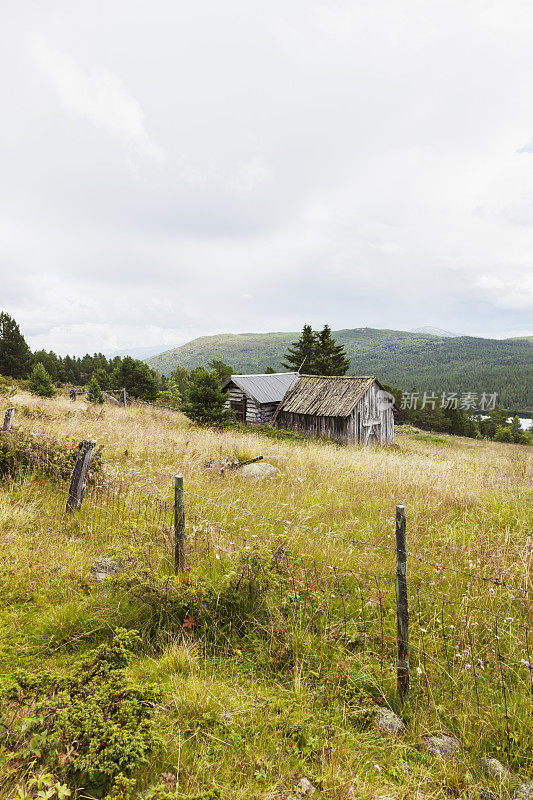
(398, 358)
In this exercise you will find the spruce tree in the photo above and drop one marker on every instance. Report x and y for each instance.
(40, 382)
(15, 355)
(94, 393)
(204, 399)
(301, 356)
(330, 357)
(224, 371)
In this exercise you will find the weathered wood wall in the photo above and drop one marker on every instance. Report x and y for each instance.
(366, 425)
(255, 413)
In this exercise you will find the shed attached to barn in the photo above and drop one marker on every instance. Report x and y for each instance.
(255, 398)
(347, 409)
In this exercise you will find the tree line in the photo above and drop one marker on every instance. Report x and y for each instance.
(198, 392)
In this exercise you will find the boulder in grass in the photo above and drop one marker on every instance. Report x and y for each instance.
(259, 471)
(389, 722)
(106, 567)
(494, 768)
(524, 792)
(442, 746)
(304, 788)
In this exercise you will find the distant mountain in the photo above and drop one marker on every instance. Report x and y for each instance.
(141, 353)
(434, 331)
(398, 358)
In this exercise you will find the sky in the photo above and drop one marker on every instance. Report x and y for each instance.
(173, 169)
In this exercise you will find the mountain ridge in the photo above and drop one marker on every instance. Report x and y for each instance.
(400, 358)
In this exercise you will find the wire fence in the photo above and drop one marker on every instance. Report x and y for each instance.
(471, 633)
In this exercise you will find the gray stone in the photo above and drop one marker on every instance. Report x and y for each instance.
(494, 768)
(106, 567)
(389, 722)
(259, 471)
(304, 787)
(442, 746)
(524, 792)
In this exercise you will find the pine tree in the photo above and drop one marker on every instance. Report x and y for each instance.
(224, 371)
(15, 355)
(330, 357)
(301, 356)
(137, 378)
(204, 400)
(40, 382)
(94, 393)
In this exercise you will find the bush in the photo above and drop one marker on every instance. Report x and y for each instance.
(170, 395)
(90, 727)
(41, 382)
(94, 394)
(503, 434)
(204, 401)
(21, 453)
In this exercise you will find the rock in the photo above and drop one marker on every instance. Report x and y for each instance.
(106, 567)
(442, 746)
(259, 471)
(486, 795)
(304, 787)
(389, 722)
(494, 768)
(525, 791)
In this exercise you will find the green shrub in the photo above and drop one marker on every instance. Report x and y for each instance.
(94, 393)
(90, 727)
(503, 434)
(41, 382)
(21, 453)
(204, 400)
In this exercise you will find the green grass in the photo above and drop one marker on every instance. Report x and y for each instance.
(276, 646)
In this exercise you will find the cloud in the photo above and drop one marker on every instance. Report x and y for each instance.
(99, 96)
(329, 160)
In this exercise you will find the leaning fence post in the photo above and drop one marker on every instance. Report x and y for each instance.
(8, 419)
(402, 604)
(179, 524)
(79, 474)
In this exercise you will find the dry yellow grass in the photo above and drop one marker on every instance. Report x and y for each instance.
(469, 506)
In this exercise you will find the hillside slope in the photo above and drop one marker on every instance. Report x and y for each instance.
(399, 358)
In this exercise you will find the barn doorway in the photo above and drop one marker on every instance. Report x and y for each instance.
(239, 409)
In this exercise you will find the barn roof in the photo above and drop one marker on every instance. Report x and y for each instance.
(326, 396)
(264, 388)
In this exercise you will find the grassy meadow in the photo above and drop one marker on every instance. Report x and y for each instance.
(273, 650)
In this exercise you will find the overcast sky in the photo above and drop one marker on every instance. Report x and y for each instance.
(170, 169)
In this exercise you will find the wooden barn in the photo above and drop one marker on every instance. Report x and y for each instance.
(349, 409)
(255, 398)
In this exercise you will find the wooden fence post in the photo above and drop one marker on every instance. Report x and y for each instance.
(179, 524)
(124, 398)
(402, 604)
(8, 419)
(76, 490)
